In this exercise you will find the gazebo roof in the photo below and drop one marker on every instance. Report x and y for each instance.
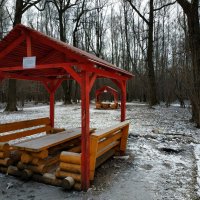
(50, 54)
(107, 88)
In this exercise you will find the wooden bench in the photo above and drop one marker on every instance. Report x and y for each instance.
(17, 130)
(103, 144)
(40, 154)
(35, 126)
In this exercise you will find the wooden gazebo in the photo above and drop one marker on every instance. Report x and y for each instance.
(106, 89)
(27, 54)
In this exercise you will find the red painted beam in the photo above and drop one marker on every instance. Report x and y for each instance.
(122, 85)
(92, 80)
(28, 45)
(51, 88)
(44, 66)
(22, 77)
(56, 45)
(14, 44)
(52, 108)
(103, 73)
(73, 73)
(85, 138)
(123, 101)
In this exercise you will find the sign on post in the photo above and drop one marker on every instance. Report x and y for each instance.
(29, 62)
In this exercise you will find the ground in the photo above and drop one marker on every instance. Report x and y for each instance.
(162, 160)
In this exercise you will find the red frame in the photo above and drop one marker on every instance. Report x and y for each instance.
(108, 89)
(70, 63)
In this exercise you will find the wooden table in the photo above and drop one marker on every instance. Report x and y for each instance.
(50, 140)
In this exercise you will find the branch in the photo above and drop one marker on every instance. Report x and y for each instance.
(169, 4)
(28, 5)
(137, 11)
(10, 16)
(42, 9)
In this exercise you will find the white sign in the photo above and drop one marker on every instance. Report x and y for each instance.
(29, 62)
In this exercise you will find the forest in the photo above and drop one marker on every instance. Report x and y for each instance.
(158, 41)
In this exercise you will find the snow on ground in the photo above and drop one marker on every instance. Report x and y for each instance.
(164, 149)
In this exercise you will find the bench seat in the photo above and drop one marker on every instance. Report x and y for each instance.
(48, 141)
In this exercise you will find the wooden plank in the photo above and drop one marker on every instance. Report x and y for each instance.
(47, 141)
(57, 130)
(104, 157)
(14, 136)
(107, 148)
(124, 140)
(70, 157)
(109, 140)
(93, 155)
(105, 132)
(23, 124)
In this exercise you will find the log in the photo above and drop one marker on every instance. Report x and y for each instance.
(98, 105)
(26, 158)
(4, 154)
(36, 161)
(63, 174)
(77, 186)
(3, 170)
(4, 146)
(26, 174)
(47, 178)
(37, 169)
(15, 156)
(70, 157)
(13, 170)
(76, 149)
(5, 162)
(42, 154)
(68, 183)
(68, 167)
(47, 162)
(65, 146)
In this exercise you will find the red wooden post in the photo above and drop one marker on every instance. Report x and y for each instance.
(28, 45)
(123, 101)
(51, 87)
(52, 109)
(85, 138)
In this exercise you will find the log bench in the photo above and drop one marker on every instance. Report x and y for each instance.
(105, 105)
(39, 155)
(18, 130)
(103, 144)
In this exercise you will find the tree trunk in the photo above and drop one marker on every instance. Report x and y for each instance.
(66, 85)
(12, 96)
(194, 37)
(151, 74)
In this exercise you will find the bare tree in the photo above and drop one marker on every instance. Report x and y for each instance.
(20, 8)
(191, 9)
